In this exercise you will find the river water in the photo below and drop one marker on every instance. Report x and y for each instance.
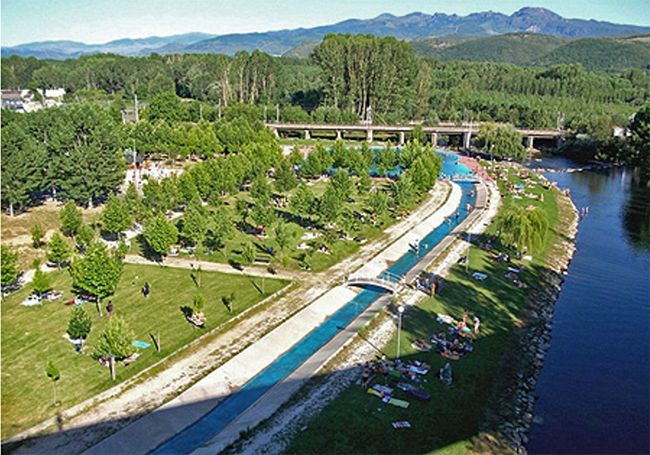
(593, 392)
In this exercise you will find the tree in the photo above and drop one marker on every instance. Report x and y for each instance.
(23, 160)
(248, 252)
(262, 214)
(85, 235)
(523, 227)
(160, 235)
(378, 203)
(330, 204)
(37, 235)
(133, 201)
(386, 160)
(295, 157)
(221, 229)
(166, 106)
(364, 184)
(9, 269)
(283, 235)
(302, 201)
(317, 162)
(342, 184)
(116, 217)
(59, 251)
(90, 163)
(80, 324)
(41, 282)
(640, 128)
(502, 141)
(198, 302)
(115, 341)
(96, 273)
(70, 217)
(195, 222)
(403, 192)
(360, 71)
(53, 373)
(285, 177)
(260, 189)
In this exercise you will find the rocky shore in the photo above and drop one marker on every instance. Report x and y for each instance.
(510, 412)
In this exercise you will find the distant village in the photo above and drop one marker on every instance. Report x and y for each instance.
(25, 100)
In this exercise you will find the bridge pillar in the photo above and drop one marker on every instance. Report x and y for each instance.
(338, 134)
(529, 143)
(467, 136)
(401, 138)
(275, 132)
(369, 135)
(434, 139)
(307, 135)
(558, 142)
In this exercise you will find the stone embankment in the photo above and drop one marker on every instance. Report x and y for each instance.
(510, 413)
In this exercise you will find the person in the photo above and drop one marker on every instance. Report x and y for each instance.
(477, 324)
(146, 290)
(465, 315)
(109, 308)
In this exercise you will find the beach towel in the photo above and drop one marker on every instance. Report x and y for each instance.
(375, 392)
(401, 424)
(140, 344)
(399, 403)
(445, 319)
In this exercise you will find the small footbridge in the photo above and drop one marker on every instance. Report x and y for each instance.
(386, 280)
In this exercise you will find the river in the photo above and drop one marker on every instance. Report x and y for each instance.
(593, 392)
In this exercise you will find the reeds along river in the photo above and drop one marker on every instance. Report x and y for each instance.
(594, 388)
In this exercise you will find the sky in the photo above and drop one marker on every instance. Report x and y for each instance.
(99, 21)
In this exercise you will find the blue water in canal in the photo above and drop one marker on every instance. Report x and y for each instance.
(594, 387)
(222, 415)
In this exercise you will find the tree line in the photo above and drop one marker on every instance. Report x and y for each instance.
(345, 75)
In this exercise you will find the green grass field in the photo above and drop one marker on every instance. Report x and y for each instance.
(357, 422)
(32, 336)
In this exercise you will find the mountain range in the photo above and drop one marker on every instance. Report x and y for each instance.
(412, 27)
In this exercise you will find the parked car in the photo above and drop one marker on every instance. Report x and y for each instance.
(32, 300)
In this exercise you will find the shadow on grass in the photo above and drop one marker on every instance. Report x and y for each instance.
(358, 422)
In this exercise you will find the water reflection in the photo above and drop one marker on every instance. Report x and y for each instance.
(636, 210)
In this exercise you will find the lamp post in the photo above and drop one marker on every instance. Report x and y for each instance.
(400, 310)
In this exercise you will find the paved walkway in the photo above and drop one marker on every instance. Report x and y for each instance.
(207, 266)
(116, 408)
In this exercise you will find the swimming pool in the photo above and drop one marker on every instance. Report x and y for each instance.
(224, 413)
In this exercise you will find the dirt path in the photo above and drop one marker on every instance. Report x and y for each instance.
(93, 420)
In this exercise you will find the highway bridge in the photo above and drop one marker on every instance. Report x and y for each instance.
(466, 130)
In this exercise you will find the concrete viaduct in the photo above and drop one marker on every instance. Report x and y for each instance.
(465, 130)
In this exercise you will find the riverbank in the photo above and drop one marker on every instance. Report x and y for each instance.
(452, 422)
(509, 415)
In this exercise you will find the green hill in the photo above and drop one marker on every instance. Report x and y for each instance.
(602, 53)
(301, 51)
(516, 48)
(535, 49)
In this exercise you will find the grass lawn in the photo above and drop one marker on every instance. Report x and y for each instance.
(32, 336)
(357, 422)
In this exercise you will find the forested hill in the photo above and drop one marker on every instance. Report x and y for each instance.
(534, 49)
(414, 26)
